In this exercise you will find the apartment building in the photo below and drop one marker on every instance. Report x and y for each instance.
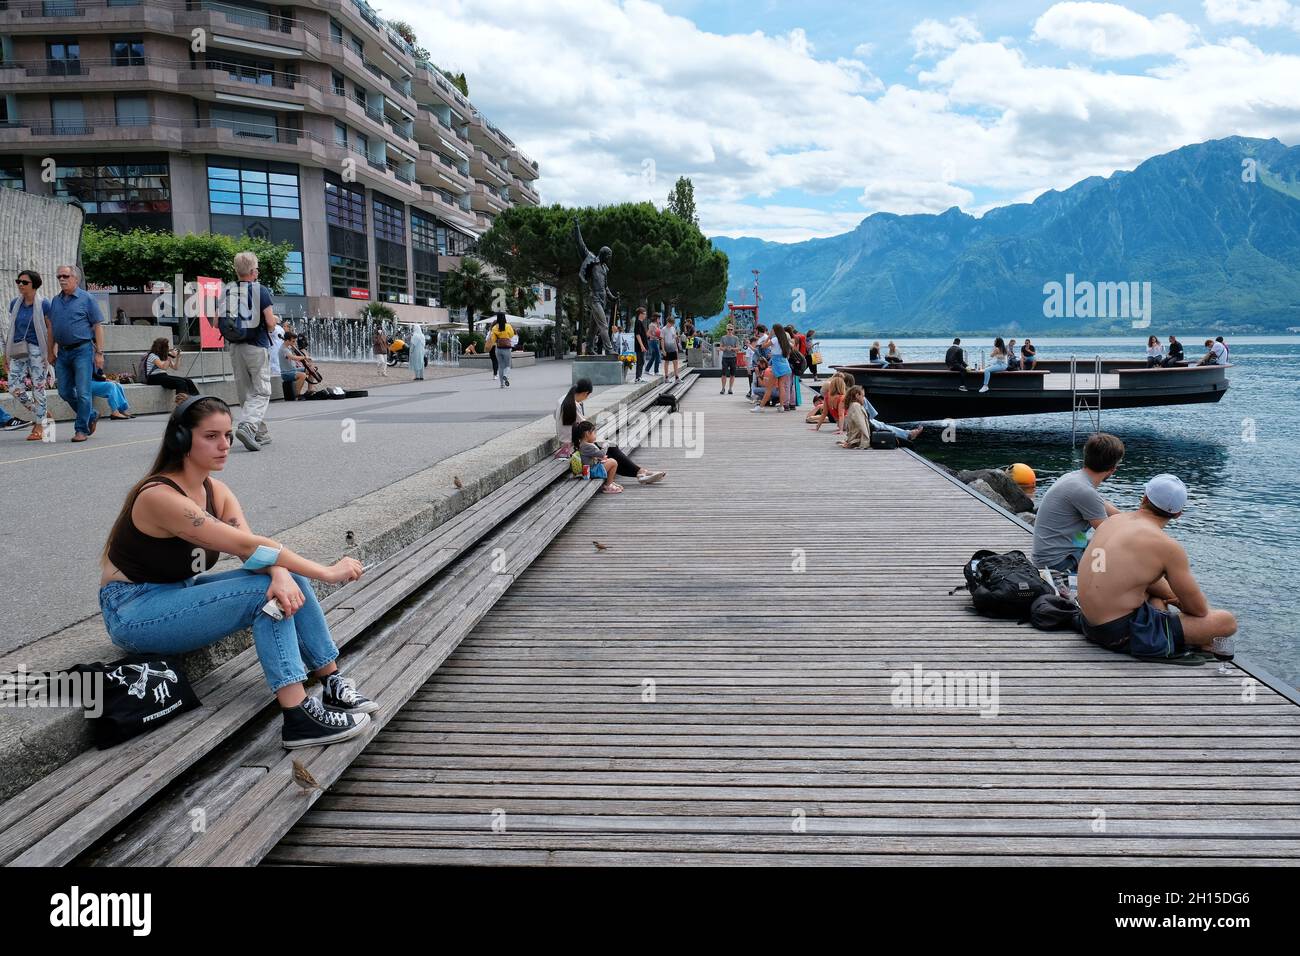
(309, 122)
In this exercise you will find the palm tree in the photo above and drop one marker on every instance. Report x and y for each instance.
(468, 288)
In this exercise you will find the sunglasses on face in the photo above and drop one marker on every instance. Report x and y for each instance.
(23, 281)
(64, 277)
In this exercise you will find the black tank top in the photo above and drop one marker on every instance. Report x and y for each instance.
(145, 559)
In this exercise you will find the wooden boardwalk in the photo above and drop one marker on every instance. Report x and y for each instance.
(771, 589)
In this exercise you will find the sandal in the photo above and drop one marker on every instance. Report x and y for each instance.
(612, 490)
(120, 416)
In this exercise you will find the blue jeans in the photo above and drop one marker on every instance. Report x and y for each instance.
(990, 369)
(652, 363)
(183, 617)
(5, 418)
(112, 393)
(75, 368)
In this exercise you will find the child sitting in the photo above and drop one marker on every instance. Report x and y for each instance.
(594, 460)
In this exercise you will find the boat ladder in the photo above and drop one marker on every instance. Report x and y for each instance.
(1085, 399)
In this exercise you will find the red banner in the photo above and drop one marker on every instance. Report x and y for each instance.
(359, 293)
(209, 295)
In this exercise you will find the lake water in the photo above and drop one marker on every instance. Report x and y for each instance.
(1238, 458)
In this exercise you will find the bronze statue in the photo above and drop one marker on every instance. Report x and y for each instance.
(594, 272)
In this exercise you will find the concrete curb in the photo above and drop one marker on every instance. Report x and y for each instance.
(34, 742)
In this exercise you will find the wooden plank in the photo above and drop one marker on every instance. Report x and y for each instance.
(773, 692)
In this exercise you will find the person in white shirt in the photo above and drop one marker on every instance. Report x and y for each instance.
(1155, 352)
(671, 340)
(1215, 353)
(568, 413)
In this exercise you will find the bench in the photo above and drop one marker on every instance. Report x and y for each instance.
(62, 815)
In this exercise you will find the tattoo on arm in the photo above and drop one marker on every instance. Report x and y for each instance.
(196, 517)
(233, 522)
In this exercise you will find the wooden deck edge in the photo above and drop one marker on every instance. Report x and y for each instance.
(1245, 662)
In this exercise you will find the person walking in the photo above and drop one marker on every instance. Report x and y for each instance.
(639, 333)
(418, 341)
(251, 358)
(654, 338)
(379, 348)
(668, 335)
(78, 328)
(28, 336)
(730, 344)
(500, 341)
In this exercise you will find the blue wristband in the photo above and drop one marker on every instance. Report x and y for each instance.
(263, 557)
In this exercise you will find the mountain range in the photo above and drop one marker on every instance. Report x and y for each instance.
(1214, 228)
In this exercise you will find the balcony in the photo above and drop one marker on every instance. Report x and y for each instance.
(486, 136)
(438, 202)
(435, 170)
(521, 192)
(484, 167)
(482, 199)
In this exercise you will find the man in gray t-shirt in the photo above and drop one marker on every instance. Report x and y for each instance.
(729, 344)
(1073, 506)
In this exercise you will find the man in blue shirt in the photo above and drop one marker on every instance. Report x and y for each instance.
(251, 358)
(79, 347)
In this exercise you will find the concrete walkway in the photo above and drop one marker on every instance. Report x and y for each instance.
(61, 499)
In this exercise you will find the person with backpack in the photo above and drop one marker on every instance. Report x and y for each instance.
(157, 599)
(1136, 588)
(1073, 506)
(248, 337)
(500, 340)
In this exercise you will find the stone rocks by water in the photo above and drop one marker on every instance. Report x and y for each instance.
(1004, 490)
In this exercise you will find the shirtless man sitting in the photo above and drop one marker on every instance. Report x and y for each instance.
(1132, 574)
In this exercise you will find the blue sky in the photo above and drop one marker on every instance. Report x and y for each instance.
(799, 119)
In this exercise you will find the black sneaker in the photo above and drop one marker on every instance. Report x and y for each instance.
(310, 725)
(15, 424)
(341, 694)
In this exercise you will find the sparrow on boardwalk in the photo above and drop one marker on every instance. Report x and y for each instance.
(303, 778)
(599, 546)
(457, 482)
(349, 537)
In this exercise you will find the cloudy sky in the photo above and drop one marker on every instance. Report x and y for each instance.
(798, 118)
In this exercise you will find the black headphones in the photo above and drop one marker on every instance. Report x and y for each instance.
(177, 437)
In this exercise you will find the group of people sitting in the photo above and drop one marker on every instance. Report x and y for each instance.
(1135, 584)
(845, 403)
(1005, 357)
(1216, 353)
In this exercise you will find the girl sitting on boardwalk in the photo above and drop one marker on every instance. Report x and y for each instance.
(175, 524)
(832, 408)
(568, 413)
(595, 452)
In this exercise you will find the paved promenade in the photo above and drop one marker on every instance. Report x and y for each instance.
(61, 499)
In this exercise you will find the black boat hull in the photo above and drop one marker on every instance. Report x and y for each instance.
(928, 391)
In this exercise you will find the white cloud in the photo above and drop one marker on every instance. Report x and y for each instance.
(1252, 13)
(864, 50)
(592, 89)
(930, 37)
(1111, 31)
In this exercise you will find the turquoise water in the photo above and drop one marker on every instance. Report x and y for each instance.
(1238, 457)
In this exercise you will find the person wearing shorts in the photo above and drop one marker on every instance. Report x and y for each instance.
(730, 344)
(668, 335)
(1146, 631)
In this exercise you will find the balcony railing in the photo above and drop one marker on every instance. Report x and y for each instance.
(246, 17)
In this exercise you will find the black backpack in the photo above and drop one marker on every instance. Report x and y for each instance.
(239, 327)
(797, 361)
(1051, 612)
(1003, 585)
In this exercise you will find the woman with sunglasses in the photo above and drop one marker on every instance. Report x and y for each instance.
(27, 337)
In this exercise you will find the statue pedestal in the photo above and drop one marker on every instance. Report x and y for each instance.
(601, 369)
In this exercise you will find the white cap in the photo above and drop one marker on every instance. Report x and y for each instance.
(1167, 492)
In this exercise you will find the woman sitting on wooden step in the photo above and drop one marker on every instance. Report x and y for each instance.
(568, 413)
(175, 524)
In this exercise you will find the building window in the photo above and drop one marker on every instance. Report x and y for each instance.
(250, 188)
(132, 110)
(428, 288)
(127, 186)
(63, 57)
(128, 51)
(349, 277)
(11, 176)
(546, 294)
(336, 31)
(337, 80)
(293, 282)
(345, 208)
(340, 135)
(392, 284)
(257, 72)
(424, 233)
(390, 223)
(363, 145)
(357, 47)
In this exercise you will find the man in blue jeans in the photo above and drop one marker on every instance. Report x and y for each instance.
(79, 338)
